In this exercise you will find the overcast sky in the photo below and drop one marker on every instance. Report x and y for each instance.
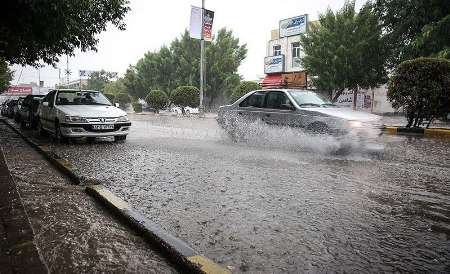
(152, 24)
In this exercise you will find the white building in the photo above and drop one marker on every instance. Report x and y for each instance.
(282, 62)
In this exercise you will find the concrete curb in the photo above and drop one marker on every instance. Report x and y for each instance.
(177, 250)
(427, 132)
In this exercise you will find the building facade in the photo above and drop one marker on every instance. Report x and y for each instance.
(75, 84)
(282, 62)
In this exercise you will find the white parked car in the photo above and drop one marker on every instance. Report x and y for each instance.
(81, 113)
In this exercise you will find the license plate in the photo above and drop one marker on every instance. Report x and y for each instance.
(102, 126)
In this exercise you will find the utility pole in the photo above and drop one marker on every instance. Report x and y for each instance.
(39, 81)
(67, 69)
(202, 53)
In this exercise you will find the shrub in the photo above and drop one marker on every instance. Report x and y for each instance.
(185, 96)
(244, 88)
(137, 107)
(123, 99)
(111, 97)
(157, 99)
(422, 88)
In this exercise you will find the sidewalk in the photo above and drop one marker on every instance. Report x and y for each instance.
(72, 232)
(18, 251)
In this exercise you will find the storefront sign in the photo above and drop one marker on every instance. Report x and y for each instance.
(19, 90)
(274, 64)
(293, 80)
(293, 26)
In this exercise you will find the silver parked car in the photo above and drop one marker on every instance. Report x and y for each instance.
(298, 108)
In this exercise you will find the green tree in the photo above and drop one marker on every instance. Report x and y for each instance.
(223, 57)
(157, 99)
(185, 96)
(44, 30)
(5, 75)
(115, 87)
(133, 83)
(345, 51)
(156, 70)
(123, 99)
(414, 28)
(422, 88)
(179, 64)
(244, 88)
(99, 79)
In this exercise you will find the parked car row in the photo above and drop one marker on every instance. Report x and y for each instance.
(67, 114)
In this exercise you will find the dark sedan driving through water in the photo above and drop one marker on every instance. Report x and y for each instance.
(298, 108)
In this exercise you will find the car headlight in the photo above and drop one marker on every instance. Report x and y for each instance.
(123, 119)
(355, 124)
(75, 119)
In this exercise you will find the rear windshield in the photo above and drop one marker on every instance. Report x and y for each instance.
(81, 98)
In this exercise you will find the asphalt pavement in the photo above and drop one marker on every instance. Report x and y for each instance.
(69, 230)
(282, 201)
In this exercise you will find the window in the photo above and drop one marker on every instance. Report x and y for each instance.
(50, 98)
(296, 54)
(276, 50)
(81, 98)
(254, 100)
(278, 100)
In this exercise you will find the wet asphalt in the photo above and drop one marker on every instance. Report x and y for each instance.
(282, 201)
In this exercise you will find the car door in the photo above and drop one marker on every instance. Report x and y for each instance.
(279, 110)
(45, 110)
(251, 109)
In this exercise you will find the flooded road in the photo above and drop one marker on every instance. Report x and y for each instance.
(281, 202)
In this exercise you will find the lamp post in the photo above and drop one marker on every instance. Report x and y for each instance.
(202, 53)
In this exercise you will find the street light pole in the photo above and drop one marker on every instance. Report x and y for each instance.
(202, 52)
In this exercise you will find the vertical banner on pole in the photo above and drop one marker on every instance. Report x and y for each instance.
(195, 27)
(208, 24)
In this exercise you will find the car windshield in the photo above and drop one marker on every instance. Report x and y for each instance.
(306, 98)
(81, 98)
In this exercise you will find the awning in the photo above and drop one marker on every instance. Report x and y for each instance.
(273, 81)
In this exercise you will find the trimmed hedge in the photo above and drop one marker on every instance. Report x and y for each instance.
(137, 107)
(157, 99)
(185, 96)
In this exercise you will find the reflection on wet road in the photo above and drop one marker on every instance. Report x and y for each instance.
(283, 206)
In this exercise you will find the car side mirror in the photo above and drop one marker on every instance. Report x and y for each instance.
(116, 105)
(45, 104)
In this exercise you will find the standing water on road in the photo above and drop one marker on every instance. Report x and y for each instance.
(281, 203)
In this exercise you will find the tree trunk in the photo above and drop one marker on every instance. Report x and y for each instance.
(183, 112)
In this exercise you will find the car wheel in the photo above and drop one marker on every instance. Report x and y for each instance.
(41, 130)
(58, 135)
(318, 128)
(120, 138)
